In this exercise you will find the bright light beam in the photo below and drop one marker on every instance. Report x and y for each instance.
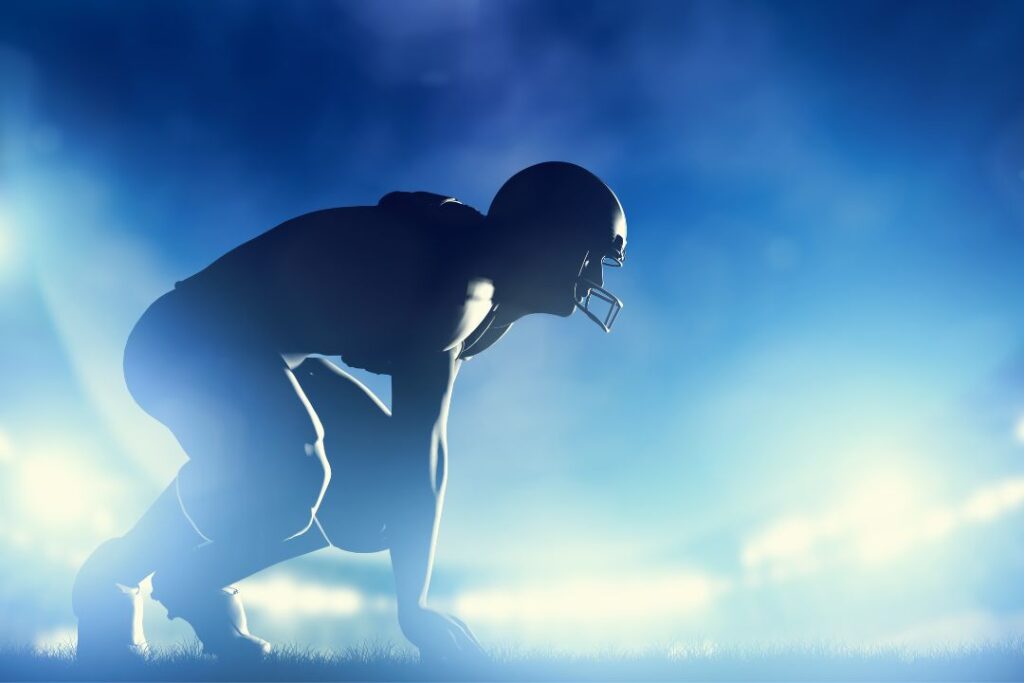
(6, 243)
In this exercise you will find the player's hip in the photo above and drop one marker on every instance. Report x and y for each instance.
(184, 345)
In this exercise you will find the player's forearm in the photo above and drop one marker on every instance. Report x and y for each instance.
(418, 458)
(412, 531)
(414, 516)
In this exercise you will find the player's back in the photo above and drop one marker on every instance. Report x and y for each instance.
(363, 282)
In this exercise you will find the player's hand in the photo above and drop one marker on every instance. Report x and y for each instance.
(440, 637)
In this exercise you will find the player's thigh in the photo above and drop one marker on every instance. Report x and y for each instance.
(256, 461)
(356, 429)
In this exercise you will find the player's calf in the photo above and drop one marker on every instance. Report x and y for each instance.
(109, 612)
(219, 620)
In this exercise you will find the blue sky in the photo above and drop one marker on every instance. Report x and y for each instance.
(808, 423)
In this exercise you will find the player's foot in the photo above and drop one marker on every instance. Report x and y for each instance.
(110, 627)
(220, 624)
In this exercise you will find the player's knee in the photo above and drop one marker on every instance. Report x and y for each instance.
(278, 503)
(264, 497)
(297, 503)
(277, 520)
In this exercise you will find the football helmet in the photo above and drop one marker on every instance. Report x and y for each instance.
(567, 225)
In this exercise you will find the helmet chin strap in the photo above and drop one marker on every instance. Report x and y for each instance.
(596, 291)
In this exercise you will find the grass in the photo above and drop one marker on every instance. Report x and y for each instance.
(385, 662)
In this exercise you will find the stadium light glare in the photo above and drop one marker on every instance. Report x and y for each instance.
(54, 492)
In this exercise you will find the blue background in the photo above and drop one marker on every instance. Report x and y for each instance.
(808, 422)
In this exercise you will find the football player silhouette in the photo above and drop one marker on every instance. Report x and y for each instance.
(287, 453)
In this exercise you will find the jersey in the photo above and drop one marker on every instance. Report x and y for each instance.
(366, 283)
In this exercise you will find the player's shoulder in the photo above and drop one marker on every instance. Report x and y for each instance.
(333, 216)
(430, 207)
(421, 209)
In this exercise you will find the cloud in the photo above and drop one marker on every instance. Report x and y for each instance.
(971, 628)
(288, 598)
(639, 598)
(990, 503)
(880, 522)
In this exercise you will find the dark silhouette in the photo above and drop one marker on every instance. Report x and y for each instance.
(288, 453)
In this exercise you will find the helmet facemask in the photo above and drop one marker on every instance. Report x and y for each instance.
(596, 302)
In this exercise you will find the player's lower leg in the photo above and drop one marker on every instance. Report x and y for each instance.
(195, 586)
(106, 598)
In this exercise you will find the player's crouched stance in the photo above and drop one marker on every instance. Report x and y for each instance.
(289, 454)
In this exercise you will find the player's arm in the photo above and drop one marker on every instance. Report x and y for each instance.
(421, 395)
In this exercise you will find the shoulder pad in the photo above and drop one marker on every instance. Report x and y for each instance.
(412, 201)
(429, 203)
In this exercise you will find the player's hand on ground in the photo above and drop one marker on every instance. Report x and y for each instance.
(440, 637)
